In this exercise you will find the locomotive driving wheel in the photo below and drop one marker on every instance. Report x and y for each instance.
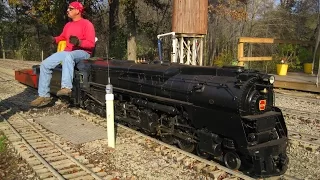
(167, 139)
(186, 145)
(232, 160)
(202, 153)
(131, 126)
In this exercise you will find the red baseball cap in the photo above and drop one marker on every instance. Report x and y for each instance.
(77, 5)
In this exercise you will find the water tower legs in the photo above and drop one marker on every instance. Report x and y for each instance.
(188, 49)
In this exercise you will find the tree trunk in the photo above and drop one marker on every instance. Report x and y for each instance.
(132, 48)
(131, 22)
(2, 48)
(113, 24)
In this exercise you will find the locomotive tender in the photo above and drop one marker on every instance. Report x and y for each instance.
(224, 113)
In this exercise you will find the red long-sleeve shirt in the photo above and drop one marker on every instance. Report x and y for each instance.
(84, 30)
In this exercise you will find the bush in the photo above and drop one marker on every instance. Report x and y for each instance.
(225, 58)
(305, 55)
(29, 50)
(288, 54)
(118, 45)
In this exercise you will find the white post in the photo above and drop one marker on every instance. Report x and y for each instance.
(166, 34)
(174, 44)
(201, 52)
(42, 55)
(181, 50)
(110, 115)
(194, 51)
(174, 49)
(189, 52)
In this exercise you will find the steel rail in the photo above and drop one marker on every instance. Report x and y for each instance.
(58, 147)
(35, 153)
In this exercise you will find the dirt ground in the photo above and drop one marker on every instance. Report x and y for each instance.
(11, 166)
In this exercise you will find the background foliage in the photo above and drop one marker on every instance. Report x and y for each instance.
(26, 25)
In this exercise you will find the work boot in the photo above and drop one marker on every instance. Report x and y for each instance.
(64, 92)
(40, 101)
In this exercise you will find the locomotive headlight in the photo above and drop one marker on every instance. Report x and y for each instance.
(271, 79)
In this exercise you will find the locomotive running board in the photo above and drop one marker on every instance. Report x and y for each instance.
(143, 94)
(260, 116)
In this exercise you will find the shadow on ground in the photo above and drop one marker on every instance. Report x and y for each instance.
(20, 103)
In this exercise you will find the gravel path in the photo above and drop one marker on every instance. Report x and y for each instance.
(303, 164)
(137, 161)
(301, 111)
(298, 104)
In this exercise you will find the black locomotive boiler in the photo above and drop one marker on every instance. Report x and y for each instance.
(227, 113)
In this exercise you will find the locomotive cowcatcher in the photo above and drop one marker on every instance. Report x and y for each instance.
(226, 114)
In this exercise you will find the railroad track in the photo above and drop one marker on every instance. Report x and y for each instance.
(47, 157)
(304, 116)
(50, 161)
(311, 143)
(297, 94)
(17, 64)
(185, 159)
(309, 100)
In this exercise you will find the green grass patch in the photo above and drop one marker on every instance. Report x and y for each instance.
(2, 143)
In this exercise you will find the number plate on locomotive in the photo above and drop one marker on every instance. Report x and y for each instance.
(262, 105)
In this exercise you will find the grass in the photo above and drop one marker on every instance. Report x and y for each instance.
(2, 143)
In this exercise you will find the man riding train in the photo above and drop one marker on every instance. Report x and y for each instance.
(79, 35)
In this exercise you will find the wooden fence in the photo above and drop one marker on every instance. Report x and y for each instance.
(242, 40)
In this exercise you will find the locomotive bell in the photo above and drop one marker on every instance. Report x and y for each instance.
(265, 91)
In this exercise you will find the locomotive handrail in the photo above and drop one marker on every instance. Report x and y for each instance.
(144, 94)
(222, 85)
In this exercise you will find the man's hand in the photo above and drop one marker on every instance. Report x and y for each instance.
(74, 40)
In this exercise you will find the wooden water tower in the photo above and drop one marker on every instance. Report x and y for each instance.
(190, 25)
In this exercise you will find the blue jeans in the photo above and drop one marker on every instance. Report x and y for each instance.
(68, 60)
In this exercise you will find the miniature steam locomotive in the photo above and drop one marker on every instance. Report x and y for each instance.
(223, 113)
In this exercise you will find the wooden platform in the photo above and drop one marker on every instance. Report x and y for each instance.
(298, 81)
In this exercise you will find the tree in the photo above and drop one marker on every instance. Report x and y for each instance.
(131, 21)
